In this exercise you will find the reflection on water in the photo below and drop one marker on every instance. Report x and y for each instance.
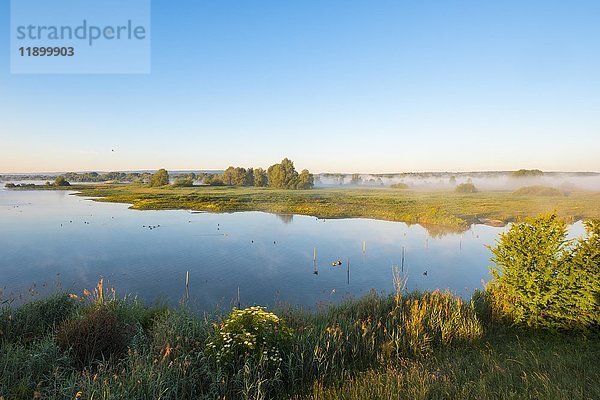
(51, 238)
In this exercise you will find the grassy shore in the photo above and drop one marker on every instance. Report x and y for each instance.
(438, 211)
(409, 346)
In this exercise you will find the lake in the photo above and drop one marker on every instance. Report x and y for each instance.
(53, 239)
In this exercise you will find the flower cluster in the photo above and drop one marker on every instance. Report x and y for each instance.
(252, 332)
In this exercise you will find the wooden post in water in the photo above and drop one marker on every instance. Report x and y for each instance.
(348, 271)
(402, 259)
(187, 285)
(364, 246)
(238, 299)
(315, 254)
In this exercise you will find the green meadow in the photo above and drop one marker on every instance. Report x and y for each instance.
(439, 211)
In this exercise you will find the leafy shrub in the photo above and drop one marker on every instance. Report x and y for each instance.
(35, 319)
(522, 173)
(183, 182)
(100, 334)
(399, 185)
(250, 333)
(61, 181)
(542, 279)
(538, 191)
(466, 188)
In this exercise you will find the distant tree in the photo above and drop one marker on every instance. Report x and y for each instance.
(61, 181)
(305, 180)
(229, 176)
(260, 177)
(527, 172)
(452, 180)
(10, 185)
(249, 178)
(399, 185)
(283, 175)
(466, 188)
(183, 181)
(160, 178)
(213, 180)
(239, 176)
(356, 179)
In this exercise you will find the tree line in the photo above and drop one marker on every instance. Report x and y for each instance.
(282, 175)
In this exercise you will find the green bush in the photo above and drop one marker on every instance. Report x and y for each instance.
(35, 319)
(538, 191)
(466, 188)
(250, 333)
(542, 279)
(101, 333)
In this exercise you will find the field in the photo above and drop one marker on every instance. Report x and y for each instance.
(438, 211)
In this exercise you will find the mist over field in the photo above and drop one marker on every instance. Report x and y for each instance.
(504, 181)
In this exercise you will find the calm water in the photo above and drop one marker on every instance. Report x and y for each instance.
(57, 239)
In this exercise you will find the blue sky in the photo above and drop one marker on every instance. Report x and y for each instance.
(337, 86)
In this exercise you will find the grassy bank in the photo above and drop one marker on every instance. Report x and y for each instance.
(438, 211)
(411, 346)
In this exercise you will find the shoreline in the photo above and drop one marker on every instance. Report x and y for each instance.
(437, 211)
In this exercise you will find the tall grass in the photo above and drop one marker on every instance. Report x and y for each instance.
(422, 345)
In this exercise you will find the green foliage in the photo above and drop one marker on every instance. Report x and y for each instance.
(538, 191)
(285, 176)
(35, 319)
(10, 185)
(399, 185)
(252, 332)
(213, 180)
(61, 181)
(522, 173)
(282, 175)
(183, 182)
(159, 178)
(235, 176)
(305, 180)
(466, 188)
(541, 280)
(260, 178)
(420, 345)
(99, 334)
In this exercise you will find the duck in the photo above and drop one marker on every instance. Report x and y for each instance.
(336, 263)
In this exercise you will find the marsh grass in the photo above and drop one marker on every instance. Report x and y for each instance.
(438, 211)
(415, 345)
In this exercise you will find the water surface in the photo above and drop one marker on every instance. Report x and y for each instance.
(53, 238)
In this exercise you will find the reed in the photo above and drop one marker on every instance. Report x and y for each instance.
(405, 345)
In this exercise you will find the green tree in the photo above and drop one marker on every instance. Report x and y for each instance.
(542, 280)
(239, 176)
(260, 177)
(61, 181)
(305, 180)
(229, 176)
(249, 178)
(160, 178)
(283, 175)
(213, 180)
